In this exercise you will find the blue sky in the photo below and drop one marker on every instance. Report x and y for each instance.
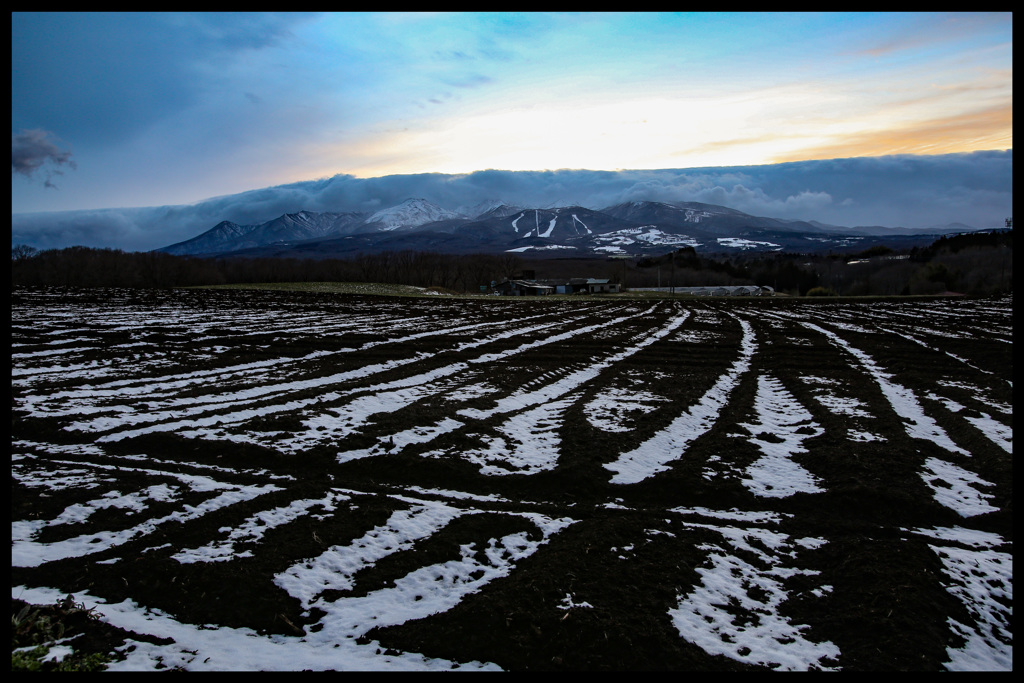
(144, 110)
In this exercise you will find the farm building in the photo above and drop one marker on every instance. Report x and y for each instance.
(573, 285)
(576, 285)
(601, 286)
(523, 288)
(734, 290)
(579, 285)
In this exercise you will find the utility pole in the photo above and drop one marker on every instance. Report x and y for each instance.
(672, 278)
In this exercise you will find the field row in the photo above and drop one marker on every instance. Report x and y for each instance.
(359, 482)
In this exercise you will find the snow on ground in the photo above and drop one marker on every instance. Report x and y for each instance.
(981, 577)
(763, 634)
(787, 424)
(210, 647)
(956, 488)
(254, 528)
(739, 243)
(546, 247)
(840, 405)
(331, 642)
(744, 565)
(953, 486)
(530, 442)
(994, 430)
(26, 551)
(653, 455)
(613, 410)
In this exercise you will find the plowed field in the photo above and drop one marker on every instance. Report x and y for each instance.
(260, 480)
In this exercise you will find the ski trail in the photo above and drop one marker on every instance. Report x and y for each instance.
(577, 220)
(551, 226)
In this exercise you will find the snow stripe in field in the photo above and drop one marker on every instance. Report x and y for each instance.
(432, 589)
(334, 568)
(524, 399)
(532, 433)
(153, 387)
(652, 456)
(339, 422)
(764, 635)
(932, 348)
(194, 407)
(27, 552)
(254, 528)
(775, 474)
(220, 648)
(344, 420)
(610, 410)
(530, 444)
(903, 401)
(981, 577)
(994, 430)
(102, 424)
(425, 591)
(953, 487)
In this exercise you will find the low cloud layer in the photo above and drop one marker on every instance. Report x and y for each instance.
(31, 150)
(903, 190)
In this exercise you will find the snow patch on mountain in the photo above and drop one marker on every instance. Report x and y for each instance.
(411, 213)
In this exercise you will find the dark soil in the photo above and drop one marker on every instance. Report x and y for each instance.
(632, 553)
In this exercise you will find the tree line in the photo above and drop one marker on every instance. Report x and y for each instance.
(95, 267)
(973, 263)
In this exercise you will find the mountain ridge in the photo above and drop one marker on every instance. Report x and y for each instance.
(629, 228)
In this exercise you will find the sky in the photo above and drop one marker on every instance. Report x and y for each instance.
(138, 111)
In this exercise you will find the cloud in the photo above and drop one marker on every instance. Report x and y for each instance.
(104, 78)
(925, 30)
(32, 149)
(900, 190)
(990, 126)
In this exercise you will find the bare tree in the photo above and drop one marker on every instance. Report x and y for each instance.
(20, 252)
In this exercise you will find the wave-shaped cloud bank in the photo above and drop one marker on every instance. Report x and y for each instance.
(903, 190)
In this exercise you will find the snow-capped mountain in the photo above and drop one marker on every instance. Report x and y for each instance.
(410, 214)
(709, 218)
(490, 208)
(227, 236)
(632, 228)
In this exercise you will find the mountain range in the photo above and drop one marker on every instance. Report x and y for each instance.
(629, 229)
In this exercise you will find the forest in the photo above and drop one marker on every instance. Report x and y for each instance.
(970, 263)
